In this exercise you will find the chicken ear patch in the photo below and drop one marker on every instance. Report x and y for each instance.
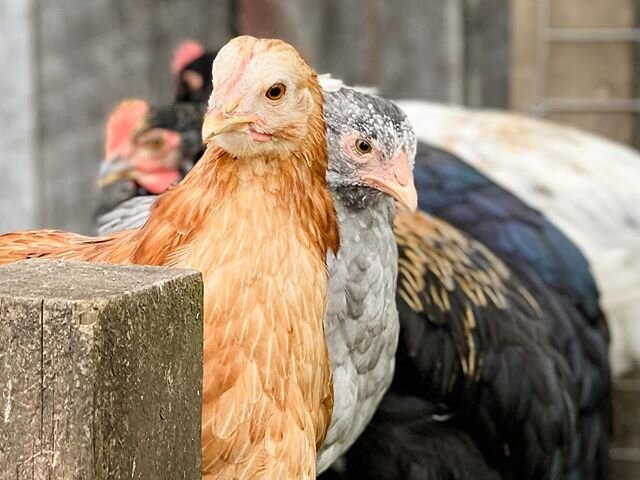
(122, 122)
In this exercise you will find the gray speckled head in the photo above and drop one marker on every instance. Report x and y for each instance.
(352, 116)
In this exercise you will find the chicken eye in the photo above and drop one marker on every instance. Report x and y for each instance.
(156, 143)
(363, 147)
(276, 91)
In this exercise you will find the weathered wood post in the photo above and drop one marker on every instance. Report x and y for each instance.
(625, 448)
(100, 371)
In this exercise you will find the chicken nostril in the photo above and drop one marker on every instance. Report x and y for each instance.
(230, 106)
(402, 175)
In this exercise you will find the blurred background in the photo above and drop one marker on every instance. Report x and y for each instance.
(67, 63)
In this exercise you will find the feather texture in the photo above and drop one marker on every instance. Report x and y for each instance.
(361, 322)
(479, 386)
(414, 439)
(555, 273)
(584, 184)
(477, 340)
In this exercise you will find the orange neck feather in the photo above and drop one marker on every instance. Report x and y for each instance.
(296, 181)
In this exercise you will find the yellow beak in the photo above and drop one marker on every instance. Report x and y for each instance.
(216, 123)
(114, 170)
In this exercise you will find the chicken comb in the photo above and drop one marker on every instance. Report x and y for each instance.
(187, 52)
(127, 116)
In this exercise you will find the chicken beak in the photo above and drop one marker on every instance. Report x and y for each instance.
(396, 181)
(114, 170)
(216, 123)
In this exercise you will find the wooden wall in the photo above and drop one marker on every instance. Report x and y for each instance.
(72, 60)
(592, 70)
(452, 51)
(68, 62)
(18, 193)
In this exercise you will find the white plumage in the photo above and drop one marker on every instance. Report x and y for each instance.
(588, 186)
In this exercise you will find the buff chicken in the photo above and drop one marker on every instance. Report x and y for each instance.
(371, 148)
(256, 218)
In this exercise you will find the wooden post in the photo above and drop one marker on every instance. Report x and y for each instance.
(100, 371)
(625, 449)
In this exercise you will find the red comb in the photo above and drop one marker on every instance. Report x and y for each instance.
(187, 52)
(122, 122)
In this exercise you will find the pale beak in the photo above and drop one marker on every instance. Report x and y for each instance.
(114, 170)
(396, 181)
(216, 123)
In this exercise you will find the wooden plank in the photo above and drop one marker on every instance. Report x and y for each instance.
(579, 70)
(91, 55)
(101, 370)
(487, 49)
(18, 182)
(625, 469)
(258, 17)
(635, 135)
(599, 71)
(16, 358)
(616, 126)
(626, 418)
(522, 91)
(595, 14)
(625, 451)
(408, 48)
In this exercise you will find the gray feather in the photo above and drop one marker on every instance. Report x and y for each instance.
(132, 213)
(361, 323)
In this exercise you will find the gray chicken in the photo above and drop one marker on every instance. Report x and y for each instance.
(371, 150)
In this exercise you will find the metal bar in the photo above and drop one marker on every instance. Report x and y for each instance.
(593, 34)
(613, 105)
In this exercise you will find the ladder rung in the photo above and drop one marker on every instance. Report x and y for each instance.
(628, 454)
(593, 34)
(614, 105)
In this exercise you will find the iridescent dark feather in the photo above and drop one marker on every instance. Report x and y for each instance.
(478, 385)
(555, 272)
(455, 191)
(474, 338)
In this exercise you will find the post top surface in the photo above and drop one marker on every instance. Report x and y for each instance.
(74, 280)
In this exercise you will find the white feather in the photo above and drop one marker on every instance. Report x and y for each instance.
(331, 84)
